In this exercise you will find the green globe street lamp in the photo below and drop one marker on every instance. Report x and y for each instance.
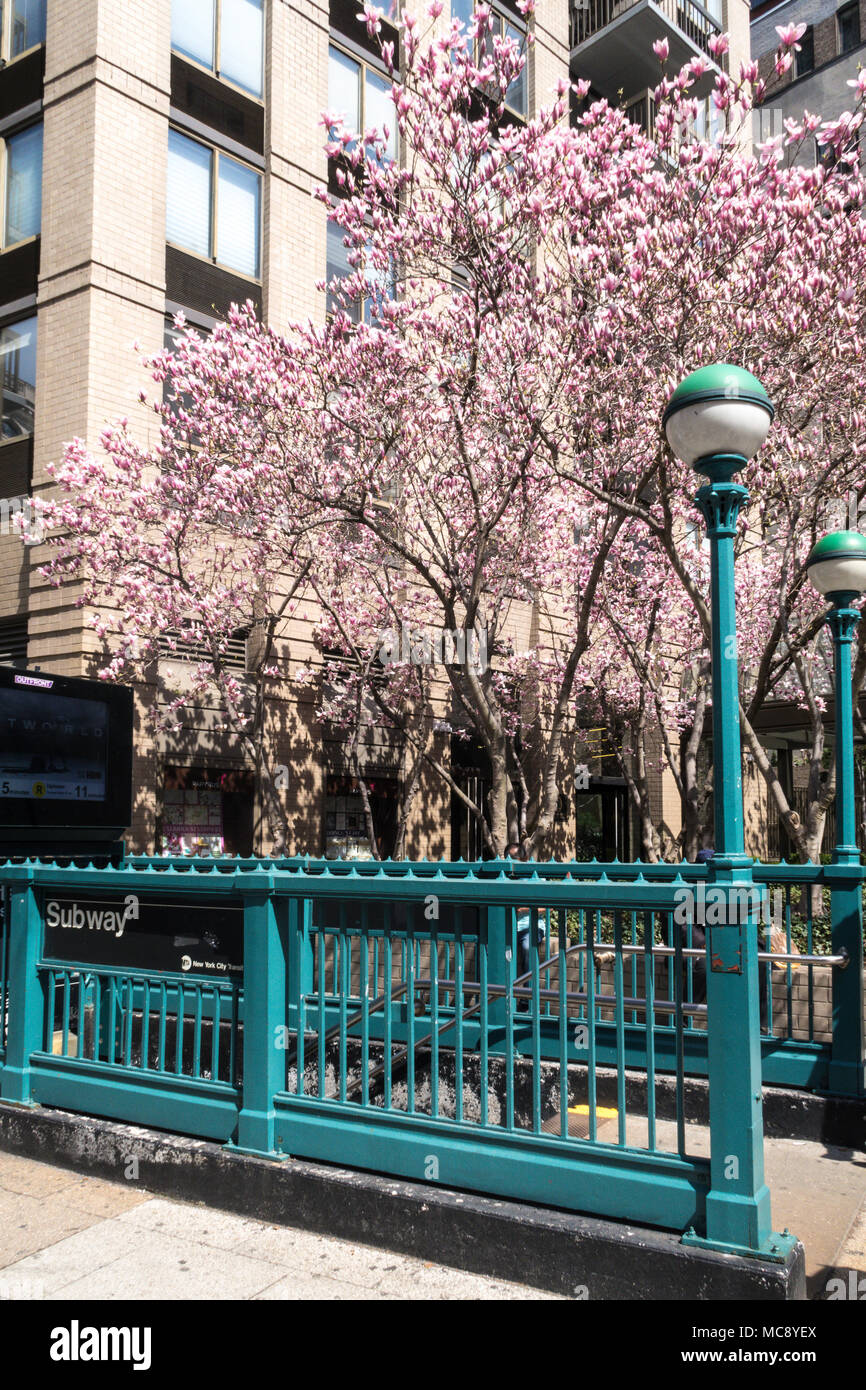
(720, 416)
(837, 568)
(716, 420)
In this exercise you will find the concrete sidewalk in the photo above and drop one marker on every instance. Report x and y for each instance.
(68, 1236)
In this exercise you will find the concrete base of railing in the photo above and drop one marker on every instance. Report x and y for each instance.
(579, 1256)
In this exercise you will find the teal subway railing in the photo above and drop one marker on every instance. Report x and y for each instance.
(522, 1030)
(808, 1006)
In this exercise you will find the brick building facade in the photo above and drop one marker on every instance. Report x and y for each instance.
(831, 49)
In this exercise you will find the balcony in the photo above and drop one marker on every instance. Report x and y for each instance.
(611, 41)
(641, 110)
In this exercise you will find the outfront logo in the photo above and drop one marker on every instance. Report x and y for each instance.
(77, 1343)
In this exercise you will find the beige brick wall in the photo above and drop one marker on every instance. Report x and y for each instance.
(102, 268)
(297, 94)
(549, 54)
(735, 23)
(754, 809)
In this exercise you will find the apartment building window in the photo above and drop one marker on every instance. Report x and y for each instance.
(846, 161)
(362, 97)
(805, 59)
(22, 27)
(182, 645)
(848, 19)
(183, 400)
(213, 205)
(13, 641)
(224, 36)
(379, 289)
(17, 379)
(515, 97)
(21, 181)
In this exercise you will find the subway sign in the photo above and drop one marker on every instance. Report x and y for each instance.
(128, 932)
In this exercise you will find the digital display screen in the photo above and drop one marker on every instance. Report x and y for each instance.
(52, 747)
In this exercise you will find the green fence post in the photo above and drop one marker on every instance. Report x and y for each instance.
(738, 1203)
(301, 966)
(26, 1003)
(265, 1028)
(846, 1071)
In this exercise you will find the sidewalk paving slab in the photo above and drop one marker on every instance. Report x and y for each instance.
(130, 1245)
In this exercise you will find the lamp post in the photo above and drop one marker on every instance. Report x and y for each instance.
(716, 420)
(837, 569)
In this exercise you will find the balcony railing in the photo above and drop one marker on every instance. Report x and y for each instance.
(641, 110)
(588, 17)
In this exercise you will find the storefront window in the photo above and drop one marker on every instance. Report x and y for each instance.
(346, 833)
(207, 812)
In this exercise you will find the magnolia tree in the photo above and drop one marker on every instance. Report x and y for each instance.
(647, 680)
(372, 684)
(656, 257)
(479, 417)
(186, 544)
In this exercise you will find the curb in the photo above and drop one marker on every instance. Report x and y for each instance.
(579, 1256)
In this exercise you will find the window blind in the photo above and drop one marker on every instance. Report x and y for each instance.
(238, 217)
(188, 208)
(241, 43)
(192, 30)
(23, 185)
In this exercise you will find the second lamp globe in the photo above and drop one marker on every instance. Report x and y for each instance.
(717, 410)
(837, 564)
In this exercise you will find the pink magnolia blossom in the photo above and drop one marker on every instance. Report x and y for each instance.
(789, 34)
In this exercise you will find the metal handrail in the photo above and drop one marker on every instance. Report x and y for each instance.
(450, 1023)
(573, 996)
(379, 1002)
(519, 990)
(839, 962)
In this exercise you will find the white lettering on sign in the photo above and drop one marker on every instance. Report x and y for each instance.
(74, 916)
(34, 680)
(77, 1343)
